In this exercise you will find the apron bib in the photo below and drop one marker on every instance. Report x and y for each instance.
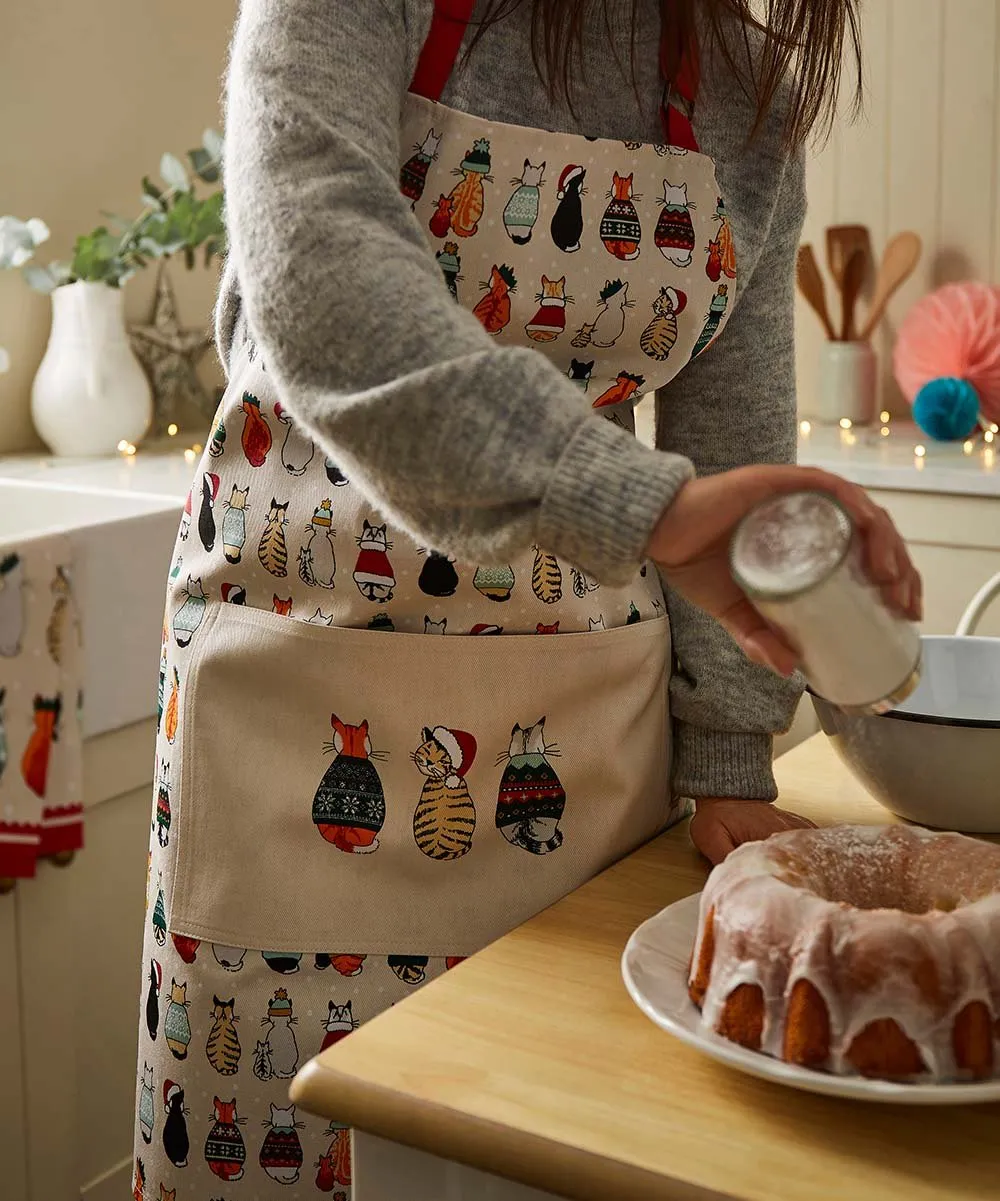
(330, 770)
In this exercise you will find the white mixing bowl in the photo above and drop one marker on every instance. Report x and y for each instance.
(936, 759)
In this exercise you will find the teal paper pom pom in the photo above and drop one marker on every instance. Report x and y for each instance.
(947, 409)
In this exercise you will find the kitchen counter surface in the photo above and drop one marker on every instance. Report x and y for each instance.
(867, 458)
(158, 471)
(530, 1062)
(862, 455)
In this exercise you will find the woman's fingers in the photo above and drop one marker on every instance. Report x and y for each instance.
(886, 557)
(691, 537)
(766, 649)
(712, 838)
(916, 596)
(759, 641)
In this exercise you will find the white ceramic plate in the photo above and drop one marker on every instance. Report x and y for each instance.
(654, 967)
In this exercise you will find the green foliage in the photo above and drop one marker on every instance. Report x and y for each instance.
(19, 239)
(18, 242)
(174, 219)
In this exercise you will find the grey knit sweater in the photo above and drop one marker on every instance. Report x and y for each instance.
(482, 450)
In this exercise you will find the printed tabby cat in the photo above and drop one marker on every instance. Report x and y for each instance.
(445, 817)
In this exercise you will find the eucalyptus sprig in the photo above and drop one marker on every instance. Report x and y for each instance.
(18, 242)
(174, 219)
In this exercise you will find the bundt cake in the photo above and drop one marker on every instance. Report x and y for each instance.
(856, 950)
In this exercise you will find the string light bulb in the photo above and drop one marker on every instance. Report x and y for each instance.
(989, 436)
(885, 416)
(920, 451)
(189, 455)
(172, 430)
(846, 423)
(968, 447)
(804, 428)
(884, 431)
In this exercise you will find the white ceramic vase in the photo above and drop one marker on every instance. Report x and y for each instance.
(848, 382)
(90, 391)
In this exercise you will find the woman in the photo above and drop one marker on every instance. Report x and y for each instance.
(447, 266)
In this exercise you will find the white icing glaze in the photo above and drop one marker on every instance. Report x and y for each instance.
(860, 912)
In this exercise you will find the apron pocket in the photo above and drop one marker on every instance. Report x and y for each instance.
(345, 789)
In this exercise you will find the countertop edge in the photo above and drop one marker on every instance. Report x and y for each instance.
(933, 480)
(490, 1147)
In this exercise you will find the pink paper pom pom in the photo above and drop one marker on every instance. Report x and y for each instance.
(954, 331)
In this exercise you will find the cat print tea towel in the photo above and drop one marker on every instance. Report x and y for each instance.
(41, 811)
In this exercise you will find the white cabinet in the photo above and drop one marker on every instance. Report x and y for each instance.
(386, 1171)
(74, 935)
(955, 543)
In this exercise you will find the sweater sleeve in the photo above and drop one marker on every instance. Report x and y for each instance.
(733, 406)
(474, 449)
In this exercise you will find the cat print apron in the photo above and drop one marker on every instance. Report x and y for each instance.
(372, 760)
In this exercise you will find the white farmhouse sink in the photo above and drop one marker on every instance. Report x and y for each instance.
(122, 540)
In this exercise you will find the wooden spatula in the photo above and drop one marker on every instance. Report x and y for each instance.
(899, 259)
(811, 286)
(841, 243)
(850, 290)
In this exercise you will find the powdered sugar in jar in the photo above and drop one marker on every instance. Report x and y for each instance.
(800, 561)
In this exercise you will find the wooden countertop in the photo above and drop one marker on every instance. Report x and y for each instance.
(530, 1061)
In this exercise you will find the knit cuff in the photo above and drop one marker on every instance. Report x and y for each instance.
(604, 499)
(714, 763)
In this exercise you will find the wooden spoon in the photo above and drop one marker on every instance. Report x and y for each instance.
(841, 243)
(850, 289)
(811, 286)
(899, 259)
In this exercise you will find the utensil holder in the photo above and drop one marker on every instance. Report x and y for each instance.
(848, 378)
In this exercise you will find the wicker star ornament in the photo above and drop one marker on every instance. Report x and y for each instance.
(170, 355)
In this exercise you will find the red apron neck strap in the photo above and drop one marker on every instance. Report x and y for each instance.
(441, 49)
(444, 44)
(679, 95)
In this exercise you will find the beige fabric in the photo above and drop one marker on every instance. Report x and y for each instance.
(614, 258)
(253, 868)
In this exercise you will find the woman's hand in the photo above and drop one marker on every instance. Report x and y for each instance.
(721, 825)
(691, 545)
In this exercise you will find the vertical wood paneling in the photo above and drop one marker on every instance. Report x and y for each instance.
(925, 156)
(863, 155)
(995, 193)
(914, 113)
(967, 166)
(862, 147)
(821, 188)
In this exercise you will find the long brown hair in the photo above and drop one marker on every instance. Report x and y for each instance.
(802, 40)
